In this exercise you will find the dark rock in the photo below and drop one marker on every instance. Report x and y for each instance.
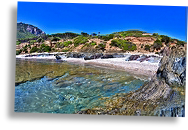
(57, 57)
(75, 55)
(88, 58)
(106, 56)
(133, 57)
(143, 58)
(95, 56)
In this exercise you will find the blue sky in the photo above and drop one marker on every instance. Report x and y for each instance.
(104, 18)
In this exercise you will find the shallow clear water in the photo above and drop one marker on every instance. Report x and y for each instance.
(77, 87)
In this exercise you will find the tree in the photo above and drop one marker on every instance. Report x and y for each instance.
(157, 45)
(84, 34)
(34, 49)
(165, 39)
(155, 34)
(147, 47)
(93, 34)
(56, 39)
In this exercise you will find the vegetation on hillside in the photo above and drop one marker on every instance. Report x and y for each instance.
(147, 47)
(123, 44)
(69, 40)
(80, 40)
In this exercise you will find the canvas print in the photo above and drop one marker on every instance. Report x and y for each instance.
(100, 59)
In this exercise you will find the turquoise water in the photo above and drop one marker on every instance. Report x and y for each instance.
(70, 93)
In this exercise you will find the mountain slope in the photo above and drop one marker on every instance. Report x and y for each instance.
(28, 31)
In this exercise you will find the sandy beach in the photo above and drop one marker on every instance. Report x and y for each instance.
(144, 68)
(136, 67)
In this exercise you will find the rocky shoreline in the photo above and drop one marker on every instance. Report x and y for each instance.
(139, 64)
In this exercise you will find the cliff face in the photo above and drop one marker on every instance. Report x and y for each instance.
(173, 67)
(34, 30)
(163, 95)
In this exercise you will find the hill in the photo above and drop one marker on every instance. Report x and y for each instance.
(28, 31)
(118, 42)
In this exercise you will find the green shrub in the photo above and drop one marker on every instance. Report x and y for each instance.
(47, 49)
(147, 47)
(107, 37)
(34, 49)
(56, 39)
(25, 49)
(165, 39)
(44, 48)
(80, 40)
(101, 46)
(32, 42)
(18, 42)
(67, 43)
(157, 44)
(59, 45)
(85, 45)
(116, 43)
(42, 45)
(123, 44)
(65, 50)
(128, 46)
(180, 43)
(18, 51)
(93, 43)
(155, 34)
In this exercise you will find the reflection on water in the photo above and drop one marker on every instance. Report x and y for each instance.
(51, 87)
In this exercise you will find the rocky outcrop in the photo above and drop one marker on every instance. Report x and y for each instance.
(173, 67)
(158, 96)
(34, 30)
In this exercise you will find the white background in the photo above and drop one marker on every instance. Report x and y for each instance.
(3, 3)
